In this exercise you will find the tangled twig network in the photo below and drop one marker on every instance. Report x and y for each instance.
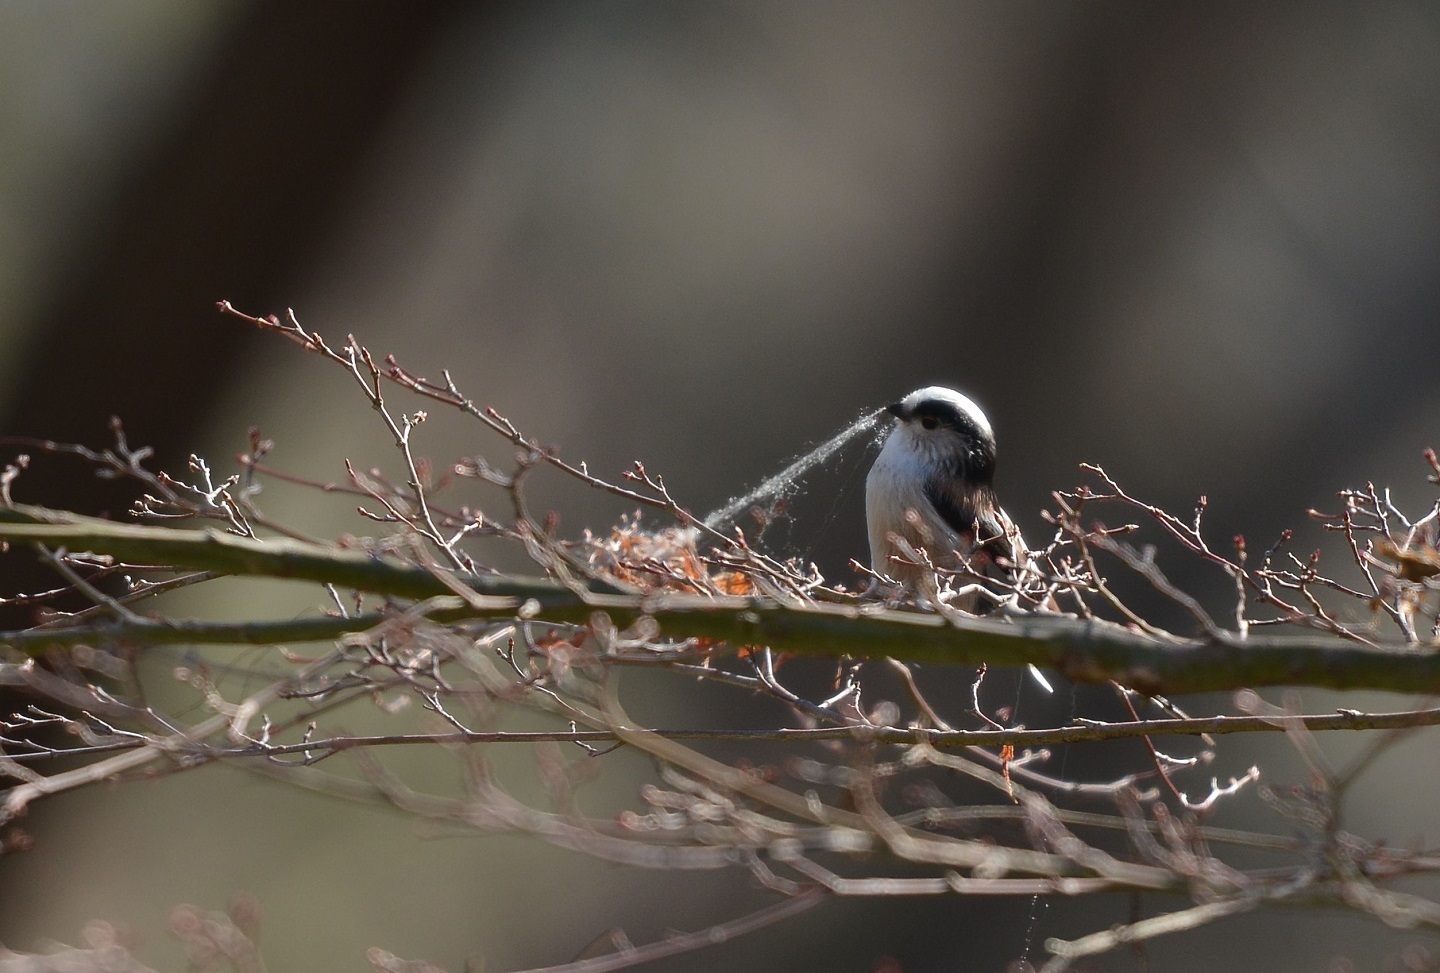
(890, 787)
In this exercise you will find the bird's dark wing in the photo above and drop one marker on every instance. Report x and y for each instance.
(976, 515)
(1001, 553)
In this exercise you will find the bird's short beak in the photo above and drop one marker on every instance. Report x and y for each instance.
(896, 409)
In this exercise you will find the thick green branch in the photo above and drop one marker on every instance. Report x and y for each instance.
(1084, 651)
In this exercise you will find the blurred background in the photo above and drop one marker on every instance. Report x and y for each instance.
(1195, 244)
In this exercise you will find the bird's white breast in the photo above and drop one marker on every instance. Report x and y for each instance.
(896, 484)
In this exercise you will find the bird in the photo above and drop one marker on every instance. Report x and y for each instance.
(932, 489)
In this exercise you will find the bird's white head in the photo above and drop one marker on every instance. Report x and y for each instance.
(942, 432)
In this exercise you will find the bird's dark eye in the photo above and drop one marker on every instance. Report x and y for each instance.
(929, 422)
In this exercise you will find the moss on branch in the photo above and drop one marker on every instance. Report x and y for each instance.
(1083, 650)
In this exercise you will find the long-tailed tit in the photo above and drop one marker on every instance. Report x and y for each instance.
(932, 490)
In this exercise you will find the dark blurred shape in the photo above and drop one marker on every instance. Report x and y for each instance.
(233, 202)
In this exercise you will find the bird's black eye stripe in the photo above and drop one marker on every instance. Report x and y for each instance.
(934, 413)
